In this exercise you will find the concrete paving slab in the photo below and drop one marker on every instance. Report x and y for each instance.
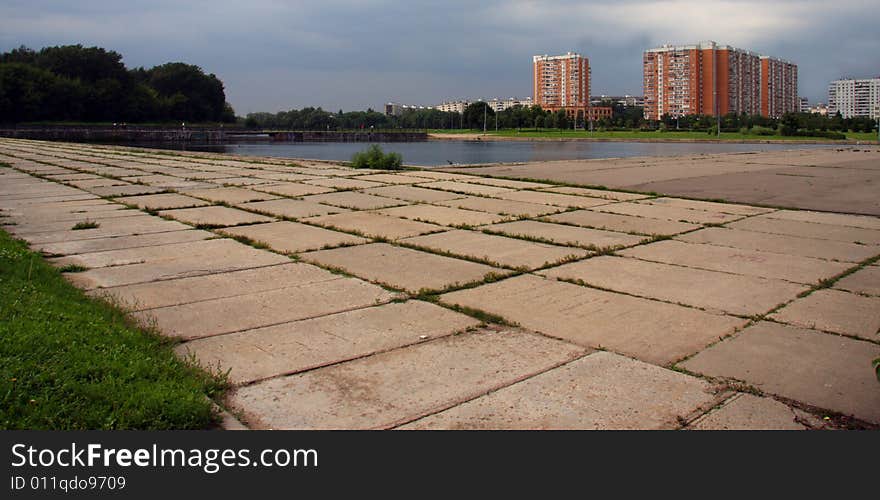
(413, 194)
(466, 188)
(137, 220)
(497, 250)
(563, 234)
(391, 178)
(442, 176)
(863, 221)
(835, 311)
(375, 225)
(622, 223)
(864, 281)
(402, 268)
(121, 242)
(643, 209)
(220, 285)
(273, 307)
(600, 391)
(506, 183)
(294, 209)
(765, 224)
(343, 183)
(827, 371)
(231, 195)
(652, 331)
(146, 264)
(595, 193)
(293, 189)
(392, 388)
(214, 216)
(446, 216)
(130, 190)
(556, 199)
(354, 200)
(744, 412)
(781, 244)
(242, 181)
(502, 207)
(161, 201)
(293, 237)
(738, 261)
(710, 290)
(285, 349)
(99, 182)
(708, 206)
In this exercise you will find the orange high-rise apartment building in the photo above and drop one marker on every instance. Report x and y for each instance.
(563, 82)
(712, 79)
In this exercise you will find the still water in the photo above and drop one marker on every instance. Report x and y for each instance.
(445, 152)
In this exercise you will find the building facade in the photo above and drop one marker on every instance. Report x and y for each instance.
(779, 88)
(712, 79)
(561, 81)
(855, 97)
(501, 104)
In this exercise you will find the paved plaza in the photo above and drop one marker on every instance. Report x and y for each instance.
(338, 298)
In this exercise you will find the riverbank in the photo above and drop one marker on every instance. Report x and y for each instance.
(645, 137)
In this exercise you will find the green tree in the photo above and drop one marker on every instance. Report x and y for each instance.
(189, 93)
(478, 113)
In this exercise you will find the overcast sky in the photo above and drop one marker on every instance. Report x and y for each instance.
(276, 55)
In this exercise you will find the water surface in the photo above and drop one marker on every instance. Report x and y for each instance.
(445, 152)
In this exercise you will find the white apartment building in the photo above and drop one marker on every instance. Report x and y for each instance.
(855, 97)
(501, 104)
(453, 106)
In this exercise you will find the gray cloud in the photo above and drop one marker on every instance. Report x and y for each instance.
(349, 54)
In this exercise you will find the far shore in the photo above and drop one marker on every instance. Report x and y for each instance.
(493, 137)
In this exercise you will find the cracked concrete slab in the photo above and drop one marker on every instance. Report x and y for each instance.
(293, 237)
(600, 391)
(392, 388)
(375, 225)
(563, 234)
(738, 261)
(765, 224)
(652, 331)
(498, 250)
(285, 349)
(864, 281)
(214, 216)
(781, 244)
(245, 312)
(822, 370)
(622, 223)
(294, 209)
(710, 290)
(446, 216)
(162, 201)
(835, 311)
(744, 412)
(231, 195)
(402, 268)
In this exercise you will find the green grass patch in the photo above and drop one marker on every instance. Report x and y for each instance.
(87, 224)
(71, 362)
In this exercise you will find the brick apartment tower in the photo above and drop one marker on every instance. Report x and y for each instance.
(779, 87)
(562, 82)
(712, 79)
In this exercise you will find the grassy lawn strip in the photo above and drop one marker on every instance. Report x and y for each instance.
(71, 362)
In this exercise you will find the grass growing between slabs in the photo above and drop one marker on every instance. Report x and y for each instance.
(71, 362)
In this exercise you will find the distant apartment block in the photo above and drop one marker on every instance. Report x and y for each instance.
(855, 97)
(453, 106)
(711, 79)
(561, 81)
(627, 101)
(496, 104)
(819, 109)
(779, 87)
(499, 105)
(804, 105)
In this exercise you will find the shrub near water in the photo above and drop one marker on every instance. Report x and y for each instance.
(71, 362)
(374, 157)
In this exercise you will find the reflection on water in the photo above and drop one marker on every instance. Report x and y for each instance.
(434, 153)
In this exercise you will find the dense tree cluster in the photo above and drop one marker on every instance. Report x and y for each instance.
(319, 119)
(91, 84)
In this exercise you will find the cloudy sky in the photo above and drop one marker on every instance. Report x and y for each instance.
(275, 55)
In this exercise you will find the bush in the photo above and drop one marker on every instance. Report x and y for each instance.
(756, 130)
(374, 157)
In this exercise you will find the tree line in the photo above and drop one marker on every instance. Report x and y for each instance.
(91, 84)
